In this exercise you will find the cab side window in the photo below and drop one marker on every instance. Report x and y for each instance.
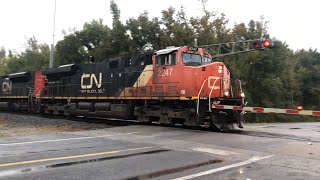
(166, 59)
(207, 60)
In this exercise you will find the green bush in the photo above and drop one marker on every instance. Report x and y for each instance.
(266, 118)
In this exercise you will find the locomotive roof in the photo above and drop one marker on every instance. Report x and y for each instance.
(66, 65)
(63, 70)
(19, 75)
(167, 50)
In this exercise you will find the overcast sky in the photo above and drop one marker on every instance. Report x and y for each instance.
(295, 22)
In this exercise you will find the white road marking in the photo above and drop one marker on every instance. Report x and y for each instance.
(214, 151)
(67, 139)
(252, 160)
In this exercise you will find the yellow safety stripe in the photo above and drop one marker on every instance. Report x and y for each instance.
(102, 97)
(127, 98)
(14, 97)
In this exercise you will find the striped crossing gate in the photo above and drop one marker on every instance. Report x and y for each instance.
(267, 110)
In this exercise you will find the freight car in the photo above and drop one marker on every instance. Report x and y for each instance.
(176, 85)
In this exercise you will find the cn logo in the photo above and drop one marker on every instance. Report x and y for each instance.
(7, 86)
(93, 80)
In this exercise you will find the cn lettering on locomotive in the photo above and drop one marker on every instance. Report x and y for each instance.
(6, 87)
(93, 80)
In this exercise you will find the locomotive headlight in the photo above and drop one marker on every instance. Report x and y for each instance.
(220, 69)
(242, 94)
(226, 93)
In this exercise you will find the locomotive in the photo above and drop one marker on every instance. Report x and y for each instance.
(176, 85)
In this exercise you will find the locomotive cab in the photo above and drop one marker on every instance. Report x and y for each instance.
(189, 72)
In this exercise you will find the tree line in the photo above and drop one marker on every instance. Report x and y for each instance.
(280, 77)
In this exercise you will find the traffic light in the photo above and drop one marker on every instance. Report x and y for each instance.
(264, 43)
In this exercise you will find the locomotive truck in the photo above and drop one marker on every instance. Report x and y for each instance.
(176, 85)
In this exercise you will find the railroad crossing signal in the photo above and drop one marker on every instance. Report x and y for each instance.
(231, 48)
(264, 43)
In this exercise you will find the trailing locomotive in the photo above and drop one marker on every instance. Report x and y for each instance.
(173, 85)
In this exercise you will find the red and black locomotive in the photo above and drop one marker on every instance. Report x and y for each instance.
(172, 85)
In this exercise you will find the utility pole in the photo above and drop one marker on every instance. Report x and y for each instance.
(54, 29)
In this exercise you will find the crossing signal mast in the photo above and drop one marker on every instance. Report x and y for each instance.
(242, 46)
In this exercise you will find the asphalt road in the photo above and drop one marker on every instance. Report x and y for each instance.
(272, 151)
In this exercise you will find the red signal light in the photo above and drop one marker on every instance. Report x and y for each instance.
(263, 43)
(258, 45)
(299, 108)
(266, 43)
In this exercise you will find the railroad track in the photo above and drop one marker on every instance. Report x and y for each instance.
(121, 122)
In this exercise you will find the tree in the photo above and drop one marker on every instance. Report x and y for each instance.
(143, 33)
(36, 57)
(69, 50)
(177, 29)
(308, 76)
(119, 36)
(95, 39)
(3, 61)
(2, 52)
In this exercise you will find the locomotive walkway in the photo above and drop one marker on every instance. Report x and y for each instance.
(271, 151)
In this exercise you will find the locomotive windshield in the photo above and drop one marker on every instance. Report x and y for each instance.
(191, 59)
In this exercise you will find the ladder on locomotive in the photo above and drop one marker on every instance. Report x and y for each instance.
(30, 98)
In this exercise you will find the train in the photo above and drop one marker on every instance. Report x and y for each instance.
(175, 85)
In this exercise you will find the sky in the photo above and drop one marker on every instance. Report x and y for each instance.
(294, 22)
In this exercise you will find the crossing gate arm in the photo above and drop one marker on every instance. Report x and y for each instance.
(268, 110)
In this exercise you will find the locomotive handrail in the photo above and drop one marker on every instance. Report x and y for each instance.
(38, 95)
(239, 87)
(198, 100)
(211, 89)
(231, 91)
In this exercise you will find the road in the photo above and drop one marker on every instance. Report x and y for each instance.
(270, 151)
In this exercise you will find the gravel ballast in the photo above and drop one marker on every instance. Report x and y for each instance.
(20, 125)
